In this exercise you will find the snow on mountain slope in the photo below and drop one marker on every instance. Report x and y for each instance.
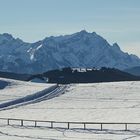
(81, 49)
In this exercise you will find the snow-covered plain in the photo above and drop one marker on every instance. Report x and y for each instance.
(17, 89)
(98, 102)
(41, 133)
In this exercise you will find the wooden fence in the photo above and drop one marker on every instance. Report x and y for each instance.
(68, 124)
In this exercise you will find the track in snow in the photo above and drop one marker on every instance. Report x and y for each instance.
(46, 94)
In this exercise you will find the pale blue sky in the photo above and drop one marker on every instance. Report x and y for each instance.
(32, 20)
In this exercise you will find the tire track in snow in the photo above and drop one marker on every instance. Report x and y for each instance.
(30, 137)
(46, 94)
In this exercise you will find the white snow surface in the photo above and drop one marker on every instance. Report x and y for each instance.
(97, 102)
(42, 133)
(38, 47)
(101, 102)
(17, 89)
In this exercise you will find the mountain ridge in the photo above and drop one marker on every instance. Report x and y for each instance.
(81, 49)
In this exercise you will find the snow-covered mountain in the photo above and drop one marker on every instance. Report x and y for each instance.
(81, 49)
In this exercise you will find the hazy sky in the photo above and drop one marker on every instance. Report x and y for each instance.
(32, 20)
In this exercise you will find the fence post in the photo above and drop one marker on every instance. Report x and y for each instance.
(84, 126)
(35, 123)
(21, 122)
(8, 122)
(126, 127)
(68, 125)
(51, 124)
(101, 126)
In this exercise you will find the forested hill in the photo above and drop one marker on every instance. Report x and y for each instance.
(77, 75)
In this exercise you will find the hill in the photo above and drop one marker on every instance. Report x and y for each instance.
(9, 75)
(68, 75)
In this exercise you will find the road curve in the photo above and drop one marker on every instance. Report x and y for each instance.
(45, 94)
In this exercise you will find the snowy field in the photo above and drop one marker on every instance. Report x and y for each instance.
(14, 89)
(98, 102)
(30, 133)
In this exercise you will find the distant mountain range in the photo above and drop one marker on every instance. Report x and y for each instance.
(134, 70)
(81, 49)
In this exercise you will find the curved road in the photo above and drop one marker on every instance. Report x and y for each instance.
(46, 94)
